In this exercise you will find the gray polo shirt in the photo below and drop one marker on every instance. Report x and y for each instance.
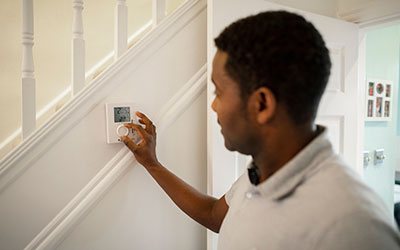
(314, 202)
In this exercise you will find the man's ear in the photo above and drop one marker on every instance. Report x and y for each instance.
(263, 104)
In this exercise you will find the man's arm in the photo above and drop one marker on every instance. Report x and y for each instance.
(204, 209)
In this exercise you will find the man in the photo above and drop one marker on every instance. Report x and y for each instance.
(270, 72)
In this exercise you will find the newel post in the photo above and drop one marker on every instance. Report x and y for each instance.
(28, 77)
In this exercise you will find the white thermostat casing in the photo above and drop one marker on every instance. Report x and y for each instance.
(116, 115)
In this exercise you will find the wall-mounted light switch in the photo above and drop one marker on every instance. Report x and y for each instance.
(379, 156)
(366, 158)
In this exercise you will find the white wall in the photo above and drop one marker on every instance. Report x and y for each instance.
(136, 213)
(135, 206)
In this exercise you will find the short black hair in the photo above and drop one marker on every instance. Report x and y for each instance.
(283, 52)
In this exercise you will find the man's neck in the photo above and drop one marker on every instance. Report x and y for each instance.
(283, 145)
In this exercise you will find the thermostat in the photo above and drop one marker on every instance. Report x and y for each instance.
(116, 115)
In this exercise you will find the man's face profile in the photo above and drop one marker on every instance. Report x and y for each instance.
(228, 105)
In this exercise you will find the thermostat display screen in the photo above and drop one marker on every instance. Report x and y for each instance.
(122, 114)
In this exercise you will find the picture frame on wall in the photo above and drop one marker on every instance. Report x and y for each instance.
(379, 100)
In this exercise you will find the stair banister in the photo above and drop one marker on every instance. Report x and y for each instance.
(78, 48)
(120, 29)
(158, 11)
(28, 77)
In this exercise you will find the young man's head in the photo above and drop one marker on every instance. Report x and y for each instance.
(268, 64)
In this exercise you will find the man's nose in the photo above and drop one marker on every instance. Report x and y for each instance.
(213, 105)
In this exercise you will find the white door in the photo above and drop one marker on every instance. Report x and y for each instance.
(339, 109)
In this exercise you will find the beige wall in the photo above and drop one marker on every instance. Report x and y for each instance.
(52, 48)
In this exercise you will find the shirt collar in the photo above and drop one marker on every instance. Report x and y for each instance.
(293, 173)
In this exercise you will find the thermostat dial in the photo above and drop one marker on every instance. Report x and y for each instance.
(122, 130)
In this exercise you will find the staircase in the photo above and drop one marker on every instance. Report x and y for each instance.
(64, 187)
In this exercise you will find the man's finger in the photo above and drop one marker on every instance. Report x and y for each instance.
(136, 127)
(147, 122)
(139, 129)
(129, 143)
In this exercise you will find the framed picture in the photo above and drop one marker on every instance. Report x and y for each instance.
(379, 100)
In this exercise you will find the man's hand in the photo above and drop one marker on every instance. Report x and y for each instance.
(145, 151)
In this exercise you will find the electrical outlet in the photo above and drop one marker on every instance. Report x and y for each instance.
(366, 158)
(379, 156)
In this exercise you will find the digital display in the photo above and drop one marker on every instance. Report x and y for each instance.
(122, 114)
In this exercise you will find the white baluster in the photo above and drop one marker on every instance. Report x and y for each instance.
(78, 48)
(28, 78)
(120, 29)
(158, 11)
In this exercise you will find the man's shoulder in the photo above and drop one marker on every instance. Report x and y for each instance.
(336, 185)
(351, 210)
(358, 231)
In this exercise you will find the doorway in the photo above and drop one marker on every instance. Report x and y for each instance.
(381, 126)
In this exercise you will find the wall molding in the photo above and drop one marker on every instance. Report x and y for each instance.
(64, 222)
(366, 11)
(380, 22)
(19, 159)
